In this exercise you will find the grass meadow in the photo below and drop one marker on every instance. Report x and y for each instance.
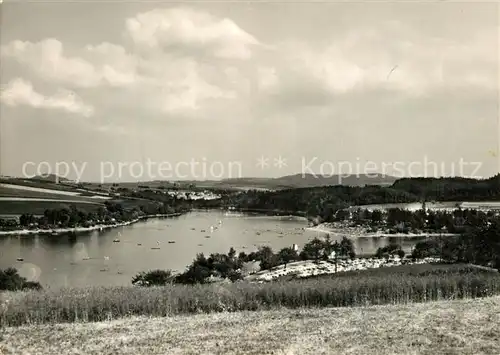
(446, 327)
(395, 285)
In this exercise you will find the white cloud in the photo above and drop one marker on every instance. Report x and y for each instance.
(154, 76)
(187, 30)
(387, 59)
(19, 92)
(187, 62)
(110, 65)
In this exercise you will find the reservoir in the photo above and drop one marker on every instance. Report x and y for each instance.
(114, 256)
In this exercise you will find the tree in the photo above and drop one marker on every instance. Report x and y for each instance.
(389, 250)
(376, 217)
(232, 253)
(10, 280)
(347, 248)
(426, 249)
(267, 258)
(313, 250)
(197, 272)
(344, 249)
(287, 255)
(153, 278)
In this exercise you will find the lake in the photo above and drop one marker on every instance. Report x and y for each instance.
(94, 259)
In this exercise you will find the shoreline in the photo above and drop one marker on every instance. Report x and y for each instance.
(59, 231)
(324, 228)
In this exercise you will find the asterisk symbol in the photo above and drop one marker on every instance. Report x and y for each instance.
(263, 162)
(280, 162)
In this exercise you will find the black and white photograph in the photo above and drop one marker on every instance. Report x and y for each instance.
(249, 177)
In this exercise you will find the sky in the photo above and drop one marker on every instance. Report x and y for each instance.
(206, 90)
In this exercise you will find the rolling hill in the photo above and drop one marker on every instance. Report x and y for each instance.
(300, 181)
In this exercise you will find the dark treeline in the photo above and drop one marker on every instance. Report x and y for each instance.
(325, 201)
(398, 220)
(478, 245)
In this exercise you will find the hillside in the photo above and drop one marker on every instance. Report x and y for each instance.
(451, 327)
(298, 181)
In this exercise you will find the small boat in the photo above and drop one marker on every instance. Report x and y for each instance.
(171, 241)
(20, 259)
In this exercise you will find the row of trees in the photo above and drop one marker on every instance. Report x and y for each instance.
(111, 212)
(455, 221)
(478, 245)
(231, 266)
(72, 216)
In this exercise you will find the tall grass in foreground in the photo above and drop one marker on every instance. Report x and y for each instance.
(105, 303)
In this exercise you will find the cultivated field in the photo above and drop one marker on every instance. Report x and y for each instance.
(36, 197)
(38, 207)
(445, 327)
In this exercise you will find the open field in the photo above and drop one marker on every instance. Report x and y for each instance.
(39, 207)
(36, 197)
(445, 327)
(38, 184)
(13, 190)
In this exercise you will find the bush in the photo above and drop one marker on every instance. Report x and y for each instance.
(426, 249)
(10, 280)
(390, 250)
(153, 278)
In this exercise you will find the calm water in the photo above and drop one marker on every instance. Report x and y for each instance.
(58, 261)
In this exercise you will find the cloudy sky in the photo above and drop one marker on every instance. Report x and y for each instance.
(316, 84)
